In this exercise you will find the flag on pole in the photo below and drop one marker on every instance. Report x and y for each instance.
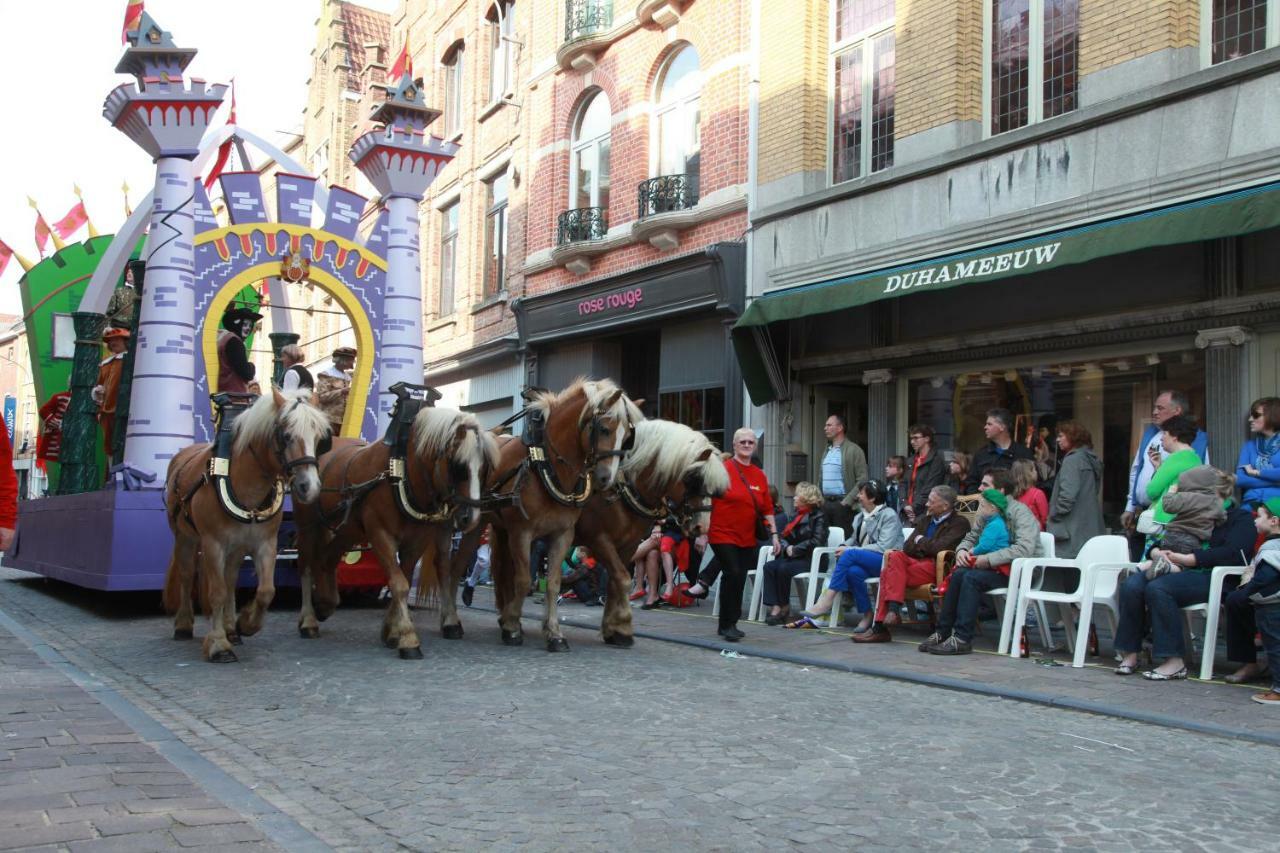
(75, 219)
(224, 150)
(128, 211)
(402, 66)
(43, 231)
(132, 18)
(7, 253)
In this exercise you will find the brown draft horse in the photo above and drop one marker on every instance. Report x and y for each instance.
(671, 470)
(273, 441)
(587, 427)
(448, 456)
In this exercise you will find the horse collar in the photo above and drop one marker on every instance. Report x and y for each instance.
(403, 492)
(632, 499)
(219, 476)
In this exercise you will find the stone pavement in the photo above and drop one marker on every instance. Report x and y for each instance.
(657, 747)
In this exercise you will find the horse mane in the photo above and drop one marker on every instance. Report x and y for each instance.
(259, 422)
(434, 428)
(669, 451)
(596, 391)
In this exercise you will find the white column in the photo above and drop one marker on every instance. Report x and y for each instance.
(402, 354)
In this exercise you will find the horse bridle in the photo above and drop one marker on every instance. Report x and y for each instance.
(280, 444)
(683, 511)
(453, 502)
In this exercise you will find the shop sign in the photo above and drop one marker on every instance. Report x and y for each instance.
(627, 299)
(10, 414)
(998, 264)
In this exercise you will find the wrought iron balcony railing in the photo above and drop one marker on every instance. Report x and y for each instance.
(667, 193)
(585, 223)
(584, 18)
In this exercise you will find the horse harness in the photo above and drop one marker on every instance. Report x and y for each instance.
(683, 512)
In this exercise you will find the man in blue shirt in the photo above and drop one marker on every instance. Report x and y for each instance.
(841, 468)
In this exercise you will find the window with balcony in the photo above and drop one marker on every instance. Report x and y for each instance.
(583, 18)
(1031, 70)
(862, 75)
(588, 173)
(502, 29)
(448, 259)
(495, 236)
(454, 96)
(1230, 29)
(678, 144)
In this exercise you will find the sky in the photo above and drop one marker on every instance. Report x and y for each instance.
(58, 66)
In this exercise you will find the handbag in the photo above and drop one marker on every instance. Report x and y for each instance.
(762, 530)
(1147, 524)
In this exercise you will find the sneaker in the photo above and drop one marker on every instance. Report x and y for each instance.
(468, 593)
(733, 635)
(932, 640)
(952, 645)
(1271, 697)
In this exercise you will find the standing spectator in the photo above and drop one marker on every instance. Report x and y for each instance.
(1150, 453)
(894, 489)
(805, 532)
(1258, 471)
(1000, 451)
(958, 471)
(8, 492)
(296, 374)
(1025, 490)
(842, 468)
(1260, 592)
(1075, 509)
(1177, 435)
(734, 516)
(925, 469)
(707, 576)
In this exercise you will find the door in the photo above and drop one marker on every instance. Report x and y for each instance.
(848, 401)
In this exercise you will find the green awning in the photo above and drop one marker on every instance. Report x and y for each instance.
(1228, 215)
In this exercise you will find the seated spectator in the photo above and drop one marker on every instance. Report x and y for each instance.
(939, 529)
(805, 532)
(1158, 602)
(1260, 590)
(1196, 507)
(647, 566)
(1000, 451)
(479, 572)
(995, 531)
(1258, 471)
(1025, 476)
(894, 488)
(977, 574)
(876, 530)
(1177, 435)
(1075, 508)
(958, 471)
(925, 469)
(584, 577)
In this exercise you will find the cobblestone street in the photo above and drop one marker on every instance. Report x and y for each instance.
(661, 747)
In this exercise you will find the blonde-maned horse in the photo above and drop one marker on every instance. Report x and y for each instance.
(274, 441)
(671, 471)
(448, 458)
(538, 490)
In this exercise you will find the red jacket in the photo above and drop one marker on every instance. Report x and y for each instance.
(8, 483)
(733, 516)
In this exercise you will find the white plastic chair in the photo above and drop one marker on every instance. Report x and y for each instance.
(1100, 563)
(815, 577)
(1001, 596)
(1212, 610)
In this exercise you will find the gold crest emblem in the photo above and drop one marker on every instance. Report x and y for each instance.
(294, 267)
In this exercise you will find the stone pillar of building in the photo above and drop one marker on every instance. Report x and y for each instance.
(1226, 390)
(401, 161)
(280, 340)
(166, 117)
(882, 416)
(78, 461)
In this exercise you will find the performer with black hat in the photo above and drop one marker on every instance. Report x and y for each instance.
(235, 371)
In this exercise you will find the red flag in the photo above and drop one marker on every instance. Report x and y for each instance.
(132, 19)
(71, 223)
(42, 233)
(404, 65)
(5, 254)
(224, 150)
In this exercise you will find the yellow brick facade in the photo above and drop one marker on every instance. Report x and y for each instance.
(794, 54)
(938, 64)
(1116, 31)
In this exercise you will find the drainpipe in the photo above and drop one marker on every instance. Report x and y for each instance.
(753, 153)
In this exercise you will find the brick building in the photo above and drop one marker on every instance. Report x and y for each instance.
(1056, 206)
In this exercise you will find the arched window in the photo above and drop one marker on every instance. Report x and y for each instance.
(589, 169)
(679, 144)
(453, 92)
(502, 28)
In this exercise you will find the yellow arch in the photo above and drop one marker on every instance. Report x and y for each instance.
(363, 377)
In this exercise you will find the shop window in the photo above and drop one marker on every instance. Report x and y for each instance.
(863, 52)
(1031, 69)
(501, 50)
(495, 236)
(448, 259)
(679, 94)
(589, 174)
(454, 97)
(1230, 29)
(701, 409)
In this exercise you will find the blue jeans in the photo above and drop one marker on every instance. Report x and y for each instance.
(851, 573)
(1267, 618)
(1160, 600)
(965, 588)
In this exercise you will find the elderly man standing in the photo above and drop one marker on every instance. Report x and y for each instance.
(938, 529)
(842, 468)
(1149, 456)
(333, 386)
(1000, 451)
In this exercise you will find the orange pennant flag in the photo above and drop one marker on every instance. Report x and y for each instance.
(132, 19)
(71, 223)
(403, 65)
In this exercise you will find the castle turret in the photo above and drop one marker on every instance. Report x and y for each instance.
(401, 161)
(166, 117)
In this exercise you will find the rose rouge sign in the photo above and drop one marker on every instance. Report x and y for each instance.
(620, 300)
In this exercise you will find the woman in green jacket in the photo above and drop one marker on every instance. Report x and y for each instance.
(1177, 435)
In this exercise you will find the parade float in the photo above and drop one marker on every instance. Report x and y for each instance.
(187, 266)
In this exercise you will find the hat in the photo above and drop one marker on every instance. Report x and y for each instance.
(235, 315)
(113, 333)
(998, 498)
(344, 352)
(1273, 506)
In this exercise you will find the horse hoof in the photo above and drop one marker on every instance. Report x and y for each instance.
(414, 653)
(622, 641)
(234, 639)
(308, 633)
(226, 656)
(391, 642)
(512, 638)
(557, 644)
(183, 634)
(451, 632)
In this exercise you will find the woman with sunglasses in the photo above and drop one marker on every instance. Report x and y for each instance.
(1258, 472)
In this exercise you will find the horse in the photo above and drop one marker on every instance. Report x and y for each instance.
(671, 471)
(398, 506)
(221, 510)
(576, 436)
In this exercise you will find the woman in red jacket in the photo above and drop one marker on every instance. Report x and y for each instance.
(8, 492)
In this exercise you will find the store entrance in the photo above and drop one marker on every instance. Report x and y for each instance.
(639, 369)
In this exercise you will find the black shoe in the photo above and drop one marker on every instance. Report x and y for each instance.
(468, 593)
(652, 605)
(732, 635)
(701, 595)
(593, 602)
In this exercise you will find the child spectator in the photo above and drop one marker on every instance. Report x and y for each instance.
(995, 535)
(1260, 586)
(1196, 507)
(1025, 477)
(584, 577)
(894, 470)
(958, 471)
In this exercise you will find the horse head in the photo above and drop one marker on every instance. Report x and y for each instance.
(300, 433)
(459, 454)
(681, 464)
(607, 427)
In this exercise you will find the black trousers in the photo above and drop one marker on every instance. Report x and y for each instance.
(1240, 627)
(735, 561)
(838, 515)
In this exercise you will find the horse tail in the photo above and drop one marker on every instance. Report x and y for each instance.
(172, 595)
(430, 573)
